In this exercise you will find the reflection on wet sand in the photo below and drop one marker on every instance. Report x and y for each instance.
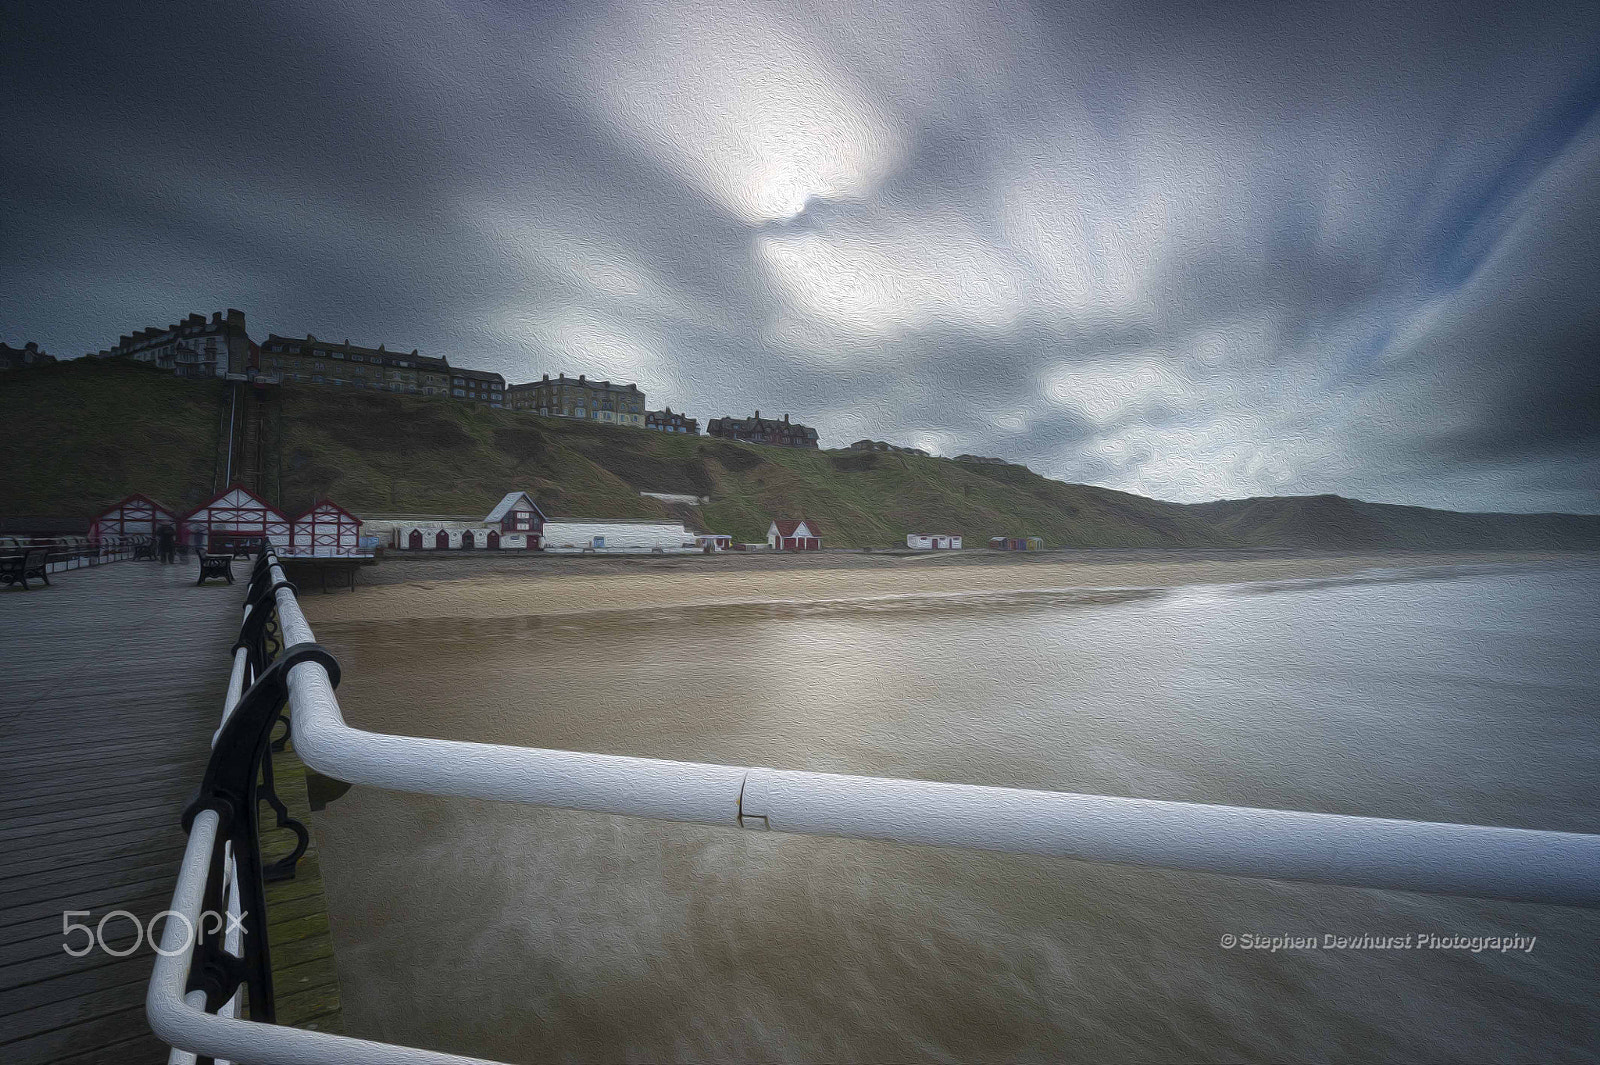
(533, 934)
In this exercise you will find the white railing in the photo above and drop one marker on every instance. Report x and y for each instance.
(75, 552)
(1474, 860)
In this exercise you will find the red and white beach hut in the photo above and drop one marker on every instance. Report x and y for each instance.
(137, 515)
(237, 520)
(325, 529)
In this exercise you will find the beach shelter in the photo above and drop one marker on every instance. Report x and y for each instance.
(325, 528)
(797, 535)
(236, 520)
(137, 515)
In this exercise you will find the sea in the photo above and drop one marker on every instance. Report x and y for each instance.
(1458, 694)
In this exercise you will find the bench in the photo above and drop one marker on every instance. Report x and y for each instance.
(217, 566)
(33, 562)
(143, 549)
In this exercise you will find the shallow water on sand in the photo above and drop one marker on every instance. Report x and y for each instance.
(528, 934)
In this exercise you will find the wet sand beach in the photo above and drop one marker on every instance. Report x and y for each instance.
(508, 585)
(1428, 687)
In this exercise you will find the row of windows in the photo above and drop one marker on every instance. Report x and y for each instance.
(481, 385)
(379, 386)
(319, 353)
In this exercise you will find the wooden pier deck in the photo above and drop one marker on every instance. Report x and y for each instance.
(303, 977)
(111, 684)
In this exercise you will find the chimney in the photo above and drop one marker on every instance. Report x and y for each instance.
(785, 419)
(546, 377)
(580, 379)
(758, 414)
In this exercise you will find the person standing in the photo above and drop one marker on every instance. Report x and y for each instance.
(166, 541)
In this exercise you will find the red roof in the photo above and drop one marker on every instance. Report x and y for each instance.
(169, 512)
(326, 503)
(237, 487)
(787, 528)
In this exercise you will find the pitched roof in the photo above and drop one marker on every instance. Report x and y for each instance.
(168, 511)
(274, 514)
(319, 504)
(310, 345)
(504, 506)
(787, 528)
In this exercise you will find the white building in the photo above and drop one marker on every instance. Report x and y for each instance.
(325, 529)
(794, 535)
(617, 537)
(932, 542)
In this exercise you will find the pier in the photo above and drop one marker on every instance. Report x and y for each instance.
(111, 684)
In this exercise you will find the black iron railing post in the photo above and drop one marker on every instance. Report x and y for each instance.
(238, 777)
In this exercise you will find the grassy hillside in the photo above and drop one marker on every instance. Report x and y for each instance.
(88, 432)
(377, 452)
(79, 435)
(1330, 522)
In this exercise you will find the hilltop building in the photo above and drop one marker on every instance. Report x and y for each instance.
(194, 347)
(28, 355)
(568, 397)
(666, 421)
(759, 430)
(482, 386)
(352, 366)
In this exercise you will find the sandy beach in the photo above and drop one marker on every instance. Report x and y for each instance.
(486, 586)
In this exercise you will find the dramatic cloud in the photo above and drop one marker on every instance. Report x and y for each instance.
(1176, 249)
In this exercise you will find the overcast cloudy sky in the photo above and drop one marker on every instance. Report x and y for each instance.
(1192, 251)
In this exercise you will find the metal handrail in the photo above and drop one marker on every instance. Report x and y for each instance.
(1507, 863)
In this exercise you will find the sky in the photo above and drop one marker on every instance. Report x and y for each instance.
(1193, 251)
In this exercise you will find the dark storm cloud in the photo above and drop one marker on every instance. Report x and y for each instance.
(1186, 250)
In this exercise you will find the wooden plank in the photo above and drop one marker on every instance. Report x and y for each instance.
(305, 981)
(115, 683)
(63, 869)
(30, 999)
(59, 963)
(89, 1038)
(141, 1049)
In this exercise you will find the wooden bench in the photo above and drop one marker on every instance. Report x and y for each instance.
(33, 562)
(218, 566)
